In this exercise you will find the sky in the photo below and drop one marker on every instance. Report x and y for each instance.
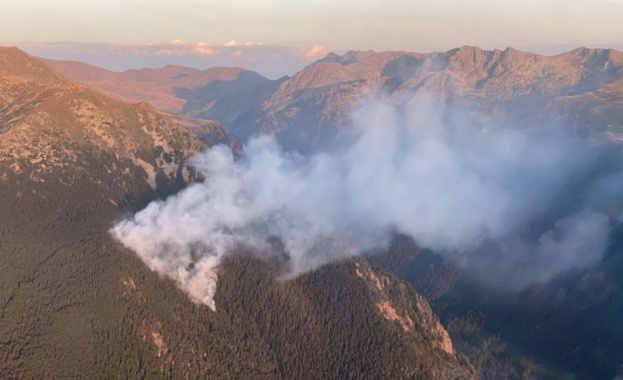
(303, 30)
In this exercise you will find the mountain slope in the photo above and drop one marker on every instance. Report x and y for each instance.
(50, 123)
(69, 159)
(583, 88)
(338, 322)
(73, 303)
(568, 326)
(219, 93)
(565, 327)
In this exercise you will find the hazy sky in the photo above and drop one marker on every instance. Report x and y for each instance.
(338, 24)
(278, 37)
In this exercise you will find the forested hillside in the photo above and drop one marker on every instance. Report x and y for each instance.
(74, 304)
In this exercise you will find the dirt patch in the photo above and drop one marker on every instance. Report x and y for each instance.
(153, 332)
(159, 343)
(389, 312)
(445, 341)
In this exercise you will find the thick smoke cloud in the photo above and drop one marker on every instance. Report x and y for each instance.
(513, 205)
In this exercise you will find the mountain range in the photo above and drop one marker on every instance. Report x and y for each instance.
(582, 89)
(83, 146)
(74, 303)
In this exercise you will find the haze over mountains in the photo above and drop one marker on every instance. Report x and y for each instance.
(76, 158)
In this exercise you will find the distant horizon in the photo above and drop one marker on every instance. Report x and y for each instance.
(268, 60)
(395, 24)
(278, 37)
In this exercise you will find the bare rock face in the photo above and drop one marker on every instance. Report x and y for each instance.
(410, 310)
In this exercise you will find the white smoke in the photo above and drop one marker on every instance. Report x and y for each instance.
(423, 173)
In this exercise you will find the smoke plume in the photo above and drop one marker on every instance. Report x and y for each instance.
(513, 205)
